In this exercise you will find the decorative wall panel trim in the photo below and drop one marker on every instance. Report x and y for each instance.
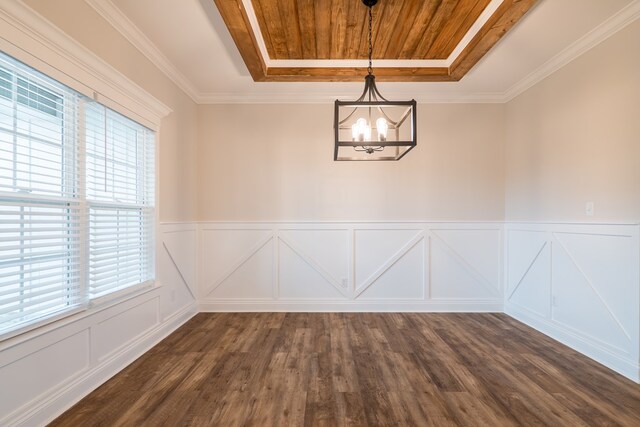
(390, 262)
(579, 284)
(238, 263)
(327, 276)
(179, 243)
(184, 280)
(622, 365)
(348, 266)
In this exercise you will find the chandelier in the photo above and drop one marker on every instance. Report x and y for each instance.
(372, 127)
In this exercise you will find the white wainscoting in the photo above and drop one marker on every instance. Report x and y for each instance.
(263, 266)
(45, 371)
(579, 284)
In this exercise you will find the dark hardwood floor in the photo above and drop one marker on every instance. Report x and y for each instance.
(280, 369)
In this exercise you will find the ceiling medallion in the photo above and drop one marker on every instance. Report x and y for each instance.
(371, 127)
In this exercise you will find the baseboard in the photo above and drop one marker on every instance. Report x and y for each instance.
(600, 354)
(45, 409)
(351, 306)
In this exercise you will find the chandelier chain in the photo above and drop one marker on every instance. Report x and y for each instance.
(367, 125)
(370, 69)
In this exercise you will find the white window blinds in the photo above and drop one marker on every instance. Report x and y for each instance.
(120, 194)
(40, 213)
(76, 199)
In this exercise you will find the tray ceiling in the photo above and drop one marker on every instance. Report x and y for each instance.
(409, 29)
(327, 40)
(206, 63)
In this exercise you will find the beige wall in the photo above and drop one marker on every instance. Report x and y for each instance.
(275, 162)
(575, 137)
(177, 143)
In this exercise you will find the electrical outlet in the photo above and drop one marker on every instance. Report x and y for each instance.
(588, 208)
(554, 301)
(344, 282)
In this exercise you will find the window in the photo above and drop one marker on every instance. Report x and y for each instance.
(120, 186)
(76, 199)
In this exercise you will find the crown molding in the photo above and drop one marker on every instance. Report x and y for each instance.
(34, 39)
(324, 98)
(602, 32)
(121, 23)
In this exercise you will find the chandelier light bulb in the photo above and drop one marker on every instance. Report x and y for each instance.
(382, 126)
(361, 131)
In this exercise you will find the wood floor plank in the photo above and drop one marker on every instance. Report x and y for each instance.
(472, 411)
(349, 409)
(359, 369)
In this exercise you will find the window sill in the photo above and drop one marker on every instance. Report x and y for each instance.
(122, 295)
(29, 332)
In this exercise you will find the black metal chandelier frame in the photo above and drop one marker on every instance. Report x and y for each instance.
(372, 100)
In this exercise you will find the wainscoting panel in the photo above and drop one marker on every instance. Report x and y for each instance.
(63, 360)
(350, 266)
(326, 251)
(176, 265)
(111, 334)
(401, 277)
(46, 370)
(529, 271)
(236, 262)
(465, 264)
(180, 246)
(296, 266)
(579, 283)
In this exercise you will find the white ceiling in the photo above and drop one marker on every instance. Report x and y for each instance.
(190, 42)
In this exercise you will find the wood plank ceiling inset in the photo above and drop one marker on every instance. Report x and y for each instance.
(338, 29)
(407, 31)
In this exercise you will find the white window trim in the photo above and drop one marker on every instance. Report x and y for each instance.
(5, 337)
(117, 295)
